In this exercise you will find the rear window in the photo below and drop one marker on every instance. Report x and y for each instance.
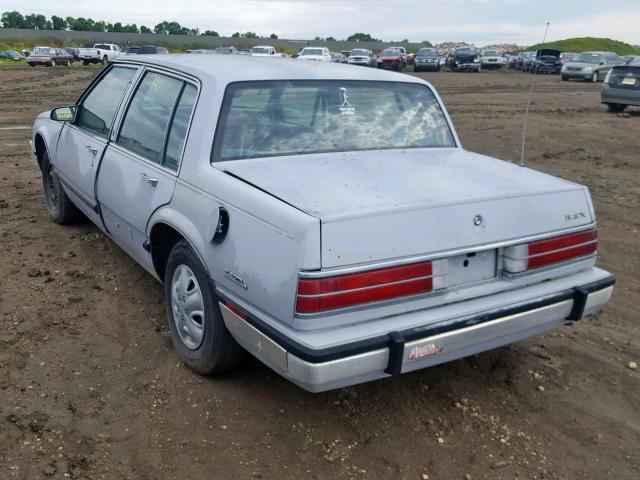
(102, 46)
(276, 118)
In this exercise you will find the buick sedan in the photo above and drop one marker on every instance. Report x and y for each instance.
(324, 218)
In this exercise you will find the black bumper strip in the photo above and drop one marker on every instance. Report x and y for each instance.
(395, 340)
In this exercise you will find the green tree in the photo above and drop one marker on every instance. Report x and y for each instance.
(145, 29)
(318, 39)
(173, 28)
(13, 19)
(250, 35)
(427, 43)
(362, 37)
(210, 33)
(133, 28)
(273, 36)
(35, 21)
(330, 39)
(235, 35)
(58, 23)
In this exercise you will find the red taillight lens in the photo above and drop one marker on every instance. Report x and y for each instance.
(523, 257)
(321, 294)
(559, 249)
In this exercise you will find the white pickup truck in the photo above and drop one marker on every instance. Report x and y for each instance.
(100, 53)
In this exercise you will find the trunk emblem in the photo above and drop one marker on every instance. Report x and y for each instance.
(477, 220)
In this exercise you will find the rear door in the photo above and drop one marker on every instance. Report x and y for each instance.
(82, 143)
(140, 166)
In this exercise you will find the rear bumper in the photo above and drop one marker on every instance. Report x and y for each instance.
(621, 96)
(416, 348)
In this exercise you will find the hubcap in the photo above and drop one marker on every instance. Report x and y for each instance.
(52, 192)
(187, 307)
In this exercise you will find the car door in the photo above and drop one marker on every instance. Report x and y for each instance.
(140, 166)
(82, 142)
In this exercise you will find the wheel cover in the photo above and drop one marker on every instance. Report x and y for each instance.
(187, 307)
(51, 191)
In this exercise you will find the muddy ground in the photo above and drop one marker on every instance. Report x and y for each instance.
(90, 387)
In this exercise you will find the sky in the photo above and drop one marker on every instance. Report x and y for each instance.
(480, 22)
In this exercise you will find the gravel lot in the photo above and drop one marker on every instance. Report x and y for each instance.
(90, 387)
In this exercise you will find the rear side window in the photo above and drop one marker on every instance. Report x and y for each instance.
(179, 127)
(98, 108)
(147, 120)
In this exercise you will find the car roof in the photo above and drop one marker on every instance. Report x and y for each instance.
(237, 68)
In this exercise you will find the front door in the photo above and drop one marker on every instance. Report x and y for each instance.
(139, 170)
(82, 143)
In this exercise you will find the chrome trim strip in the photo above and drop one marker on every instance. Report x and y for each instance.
(552, 251)
(372, 287)
(552, 266)
(437, 255)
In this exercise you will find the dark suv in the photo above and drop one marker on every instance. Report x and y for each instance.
(426, 59)
(464, 59)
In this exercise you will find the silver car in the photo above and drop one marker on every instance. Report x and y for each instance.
(590, 66)
(325, 219)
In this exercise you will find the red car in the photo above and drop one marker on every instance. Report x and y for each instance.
(391, 59)
(49, 57)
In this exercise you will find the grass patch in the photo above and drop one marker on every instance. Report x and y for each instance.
(584, 44)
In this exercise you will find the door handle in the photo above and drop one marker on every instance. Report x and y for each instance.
(91, 149)
(151, 181)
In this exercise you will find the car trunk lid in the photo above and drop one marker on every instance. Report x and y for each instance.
(381, 205)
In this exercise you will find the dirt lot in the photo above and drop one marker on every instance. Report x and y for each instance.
(90, 387)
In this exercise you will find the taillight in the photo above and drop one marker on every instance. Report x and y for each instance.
(541, 253)
(329, 293)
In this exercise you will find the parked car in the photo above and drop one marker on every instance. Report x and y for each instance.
(263, 51)
(516, 61)
(74, 52)
(11, 55)
(629, 59)
(411, 58)
(546, 60)
(491, 60)
(427, 59)
(527, 61)
(318, 54)
(338, 57)
(100, 53)
(590, 66)
(49, 57)
(402, 51)
(464, 59)
(566, 57)
(621, 87)
(391, 59)
(362, 56)
(226, 50)
(336, 229)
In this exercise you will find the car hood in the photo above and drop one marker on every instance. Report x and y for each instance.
(580, 64)
(336, 185)
(464, 58)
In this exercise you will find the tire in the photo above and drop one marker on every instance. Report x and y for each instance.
(565, 78)
(616, 107)
(201, 341)
(53, 63)
(105, 60)
(68, 64)
(85, 63)
(59, 207)
(594, 77)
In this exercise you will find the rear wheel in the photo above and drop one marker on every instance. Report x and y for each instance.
(105, 60)
(616, 107)
(198, 332)
(59, 207)
(565, 78)
(53, 63)
(594, 77)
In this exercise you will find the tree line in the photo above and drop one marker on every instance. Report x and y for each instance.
(36, 21)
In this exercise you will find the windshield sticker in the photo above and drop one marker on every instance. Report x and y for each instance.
(346, 108)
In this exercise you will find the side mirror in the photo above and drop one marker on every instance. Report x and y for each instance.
(64, 114)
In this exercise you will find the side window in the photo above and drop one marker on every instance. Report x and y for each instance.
(179, 127)
(145, 123)
(98, 108)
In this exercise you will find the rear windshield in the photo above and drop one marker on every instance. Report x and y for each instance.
(588, 58)
(102, 46)
(259, 50)
(276, 118)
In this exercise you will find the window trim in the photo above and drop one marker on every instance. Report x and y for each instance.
(214, 156)
(124, 109)
(96, 81)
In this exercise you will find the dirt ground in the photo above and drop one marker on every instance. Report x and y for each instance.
(90, 387)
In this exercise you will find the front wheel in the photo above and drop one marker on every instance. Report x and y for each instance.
(53, 63)
(565, 78)
(198, 332)
(105, 60)
(616, 107)
(60, 209)
(594, 77)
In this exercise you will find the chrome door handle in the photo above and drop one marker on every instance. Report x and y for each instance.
(93, 150)
(151, 181)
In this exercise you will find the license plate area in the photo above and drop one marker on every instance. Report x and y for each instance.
(471, 268)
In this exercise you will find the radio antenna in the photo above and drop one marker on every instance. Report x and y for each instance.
(526, 112)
